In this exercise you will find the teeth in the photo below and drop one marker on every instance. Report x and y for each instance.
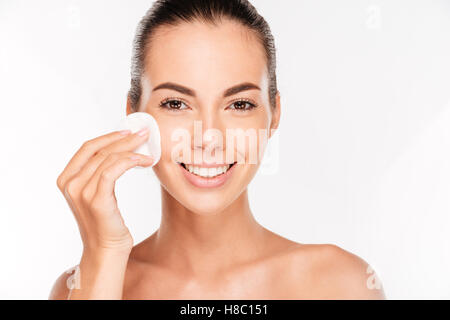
(203, 172)
(207, 172)
(212, 172)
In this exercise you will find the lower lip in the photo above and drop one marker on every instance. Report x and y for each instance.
(202, 182)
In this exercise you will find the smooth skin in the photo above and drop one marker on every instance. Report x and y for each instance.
(208, 246)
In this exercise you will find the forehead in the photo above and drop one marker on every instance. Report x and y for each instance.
(202, 55)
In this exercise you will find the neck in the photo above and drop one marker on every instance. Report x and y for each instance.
(199, 243)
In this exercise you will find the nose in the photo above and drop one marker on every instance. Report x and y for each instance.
(209, 134)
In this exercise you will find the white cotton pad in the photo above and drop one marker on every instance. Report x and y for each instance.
(137, 121)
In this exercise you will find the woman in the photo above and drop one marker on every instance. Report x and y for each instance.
(209, 62)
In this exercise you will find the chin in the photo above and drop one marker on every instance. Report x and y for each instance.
(205, 201)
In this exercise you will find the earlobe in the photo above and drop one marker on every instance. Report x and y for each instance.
(129, 111)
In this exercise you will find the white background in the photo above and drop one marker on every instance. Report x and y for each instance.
(364, 136)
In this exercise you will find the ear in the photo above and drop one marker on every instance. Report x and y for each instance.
(129, 111)
(276, 114)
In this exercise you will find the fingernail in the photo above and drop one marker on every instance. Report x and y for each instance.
(125, 132)
(134, 157)
(143, 132)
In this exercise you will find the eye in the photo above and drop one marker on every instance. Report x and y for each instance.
(173, 104)
(242, 105)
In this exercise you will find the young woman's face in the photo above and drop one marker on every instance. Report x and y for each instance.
(201, 77)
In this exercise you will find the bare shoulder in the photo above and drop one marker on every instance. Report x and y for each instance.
(61, 288)
(330, 272)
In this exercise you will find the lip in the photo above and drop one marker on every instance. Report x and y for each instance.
(202, 182)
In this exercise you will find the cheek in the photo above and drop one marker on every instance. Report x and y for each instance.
(247, 137)
(174, 132)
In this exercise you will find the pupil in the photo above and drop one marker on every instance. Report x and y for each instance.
(175, 104)
(240, 105)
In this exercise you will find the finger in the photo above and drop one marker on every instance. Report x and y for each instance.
(128, 143)
(108, 177)
(87, 150)
(91, 186)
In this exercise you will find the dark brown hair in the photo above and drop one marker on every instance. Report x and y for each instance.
(173, 12)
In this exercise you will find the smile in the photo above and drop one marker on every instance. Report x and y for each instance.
(205, 171)
(207, 176)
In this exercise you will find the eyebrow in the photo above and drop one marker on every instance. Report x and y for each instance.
(187, 91)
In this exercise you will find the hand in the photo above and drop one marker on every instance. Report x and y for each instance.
(88, 182)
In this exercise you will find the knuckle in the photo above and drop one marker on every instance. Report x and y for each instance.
(71, 188)
(103, 153)
(59, 183)
(87, 145)
(85, 195)
(106, 175)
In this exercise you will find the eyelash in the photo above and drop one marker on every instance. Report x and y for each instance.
(252, 105)
(165, 102)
